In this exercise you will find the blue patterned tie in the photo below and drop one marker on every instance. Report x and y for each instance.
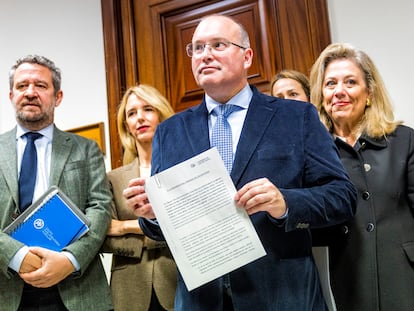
(28, 171)
(221, 136)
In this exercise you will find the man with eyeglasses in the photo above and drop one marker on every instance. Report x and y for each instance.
(286, 170)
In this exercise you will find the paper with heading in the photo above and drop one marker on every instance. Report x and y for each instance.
(208, 235)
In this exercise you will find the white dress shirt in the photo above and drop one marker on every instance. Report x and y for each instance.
(44, 156)
(235, 119)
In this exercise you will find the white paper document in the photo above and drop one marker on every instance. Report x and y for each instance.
(206, 232)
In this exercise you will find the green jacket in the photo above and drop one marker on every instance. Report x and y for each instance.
(78, 168)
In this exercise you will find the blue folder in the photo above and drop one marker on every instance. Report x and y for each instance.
(53, 222)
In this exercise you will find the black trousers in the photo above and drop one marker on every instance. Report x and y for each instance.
(227, 295)
(41, 299)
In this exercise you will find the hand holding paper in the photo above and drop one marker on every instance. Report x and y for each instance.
(261, 195)
(137, 199)
(207, 233)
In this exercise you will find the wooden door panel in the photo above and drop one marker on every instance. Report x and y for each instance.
(145, 43)
(182, 89)
(300, 44)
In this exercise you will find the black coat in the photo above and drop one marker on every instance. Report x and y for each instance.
(372, 263)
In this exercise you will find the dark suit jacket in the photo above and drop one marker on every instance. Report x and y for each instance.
(285, 142)
(77, 167)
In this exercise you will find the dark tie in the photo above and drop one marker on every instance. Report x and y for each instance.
(28, 171)
(221, 136)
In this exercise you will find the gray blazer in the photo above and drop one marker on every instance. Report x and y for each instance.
(77, 167)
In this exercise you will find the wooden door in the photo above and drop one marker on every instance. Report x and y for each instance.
(145, 43)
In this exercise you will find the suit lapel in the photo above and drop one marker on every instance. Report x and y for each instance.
(8, 162)
(61, 149)
(258, 117)
(195, 124)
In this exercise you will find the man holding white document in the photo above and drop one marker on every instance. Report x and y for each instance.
(282, 162)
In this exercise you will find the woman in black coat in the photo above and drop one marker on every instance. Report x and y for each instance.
(371, 257)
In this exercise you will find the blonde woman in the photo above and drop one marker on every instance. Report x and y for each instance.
(372, 256)
(143, 274)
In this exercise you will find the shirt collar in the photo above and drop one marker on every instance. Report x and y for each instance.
(241, 99)
(46, 132)
(364, 140)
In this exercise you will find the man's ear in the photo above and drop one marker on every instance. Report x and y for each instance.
(59, 97)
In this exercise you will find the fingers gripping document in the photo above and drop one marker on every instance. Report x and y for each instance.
(206, 232)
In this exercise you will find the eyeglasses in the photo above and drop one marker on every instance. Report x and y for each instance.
(217, 45)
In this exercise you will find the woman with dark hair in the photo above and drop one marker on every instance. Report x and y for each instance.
(290, 84)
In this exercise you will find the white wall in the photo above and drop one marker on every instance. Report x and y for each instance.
(70, 34)
(384, 30)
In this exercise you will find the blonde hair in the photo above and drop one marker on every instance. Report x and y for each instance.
(378, 119)
(151, 96)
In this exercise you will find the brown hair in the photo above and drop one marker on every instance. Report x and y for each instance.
(294, 75)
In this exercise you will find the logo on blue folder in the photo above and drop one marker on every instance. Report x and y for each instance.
(39, 223)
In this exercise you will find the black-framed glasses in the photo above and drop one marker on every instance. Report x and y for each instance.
(216, 45)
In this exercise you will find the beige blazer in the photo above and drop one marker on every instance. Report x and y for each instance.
(139, 263)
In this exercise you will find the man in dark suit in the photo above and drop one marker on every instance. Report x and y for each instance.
(286, 169)
(36, 278)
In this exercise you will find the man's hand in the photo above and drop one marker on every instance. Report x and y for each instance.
(261, 195)
(55, 267)
(137, 199)
(30, 263)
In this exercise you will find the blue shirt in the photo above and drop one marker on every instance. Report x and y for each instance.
(236, 119)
